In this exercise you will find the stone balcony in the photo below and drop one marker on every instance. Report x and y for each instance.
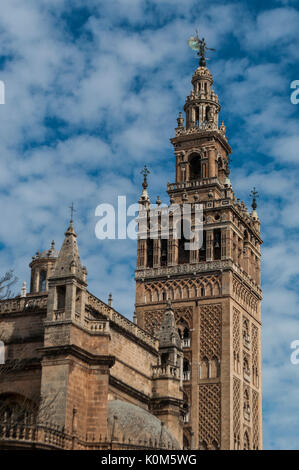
(97, 305)
(201, 127)
(193, 184)
(20, 304)
(186, 342)
(187, 375)
(50, 437)
(166, 370)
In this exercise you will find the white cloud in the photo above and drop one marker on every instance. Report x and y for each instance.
(114, 92)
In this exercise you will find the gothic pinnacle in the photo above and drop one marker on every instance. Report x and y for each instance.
(144, 196)
(145, 172)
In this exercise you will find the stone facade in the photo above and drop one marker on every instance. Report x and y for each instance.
(79, 375)
(187, 372)
(215, 289)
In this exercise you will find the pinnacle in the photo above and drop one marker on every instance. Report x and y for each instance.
(71, 230)
(68, 261)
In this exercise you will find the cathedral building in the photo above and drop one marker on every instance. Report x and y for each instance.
(186, 373)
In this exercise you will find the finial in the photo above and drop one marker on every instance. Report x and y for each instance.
(53, 245)
(110, 300)
(200, 46)
(254, 194)
(72, 211)
(158, 201)
(145, 172)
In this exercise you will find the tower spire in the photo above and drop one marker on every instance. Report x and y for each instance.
(223, 307)
(68, 261)
(144, 198)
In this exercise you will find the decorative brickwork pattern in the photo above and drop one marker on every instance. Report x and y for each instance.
(244, 296)
(153, 318)
(255, 420)
(255, 355)
(237, 412)
(236, 340)
(210, 331)
(182, 289)
(209, 416)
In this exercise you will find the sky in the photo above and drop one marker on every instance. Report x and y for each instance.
(92, 92)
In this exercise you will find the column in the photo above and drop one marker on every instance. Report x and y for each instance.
(157, 252)
(212, 162)
(210, 240)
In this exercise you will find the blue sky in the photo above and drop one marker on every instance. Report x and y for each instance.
(93, 89)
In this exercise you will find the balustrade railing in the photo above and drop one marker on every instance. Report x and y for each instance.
(120, 320)
(45, 436)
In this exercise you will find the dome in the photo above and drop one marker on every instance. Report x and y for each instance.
(51, 253)
(202, 73)
(132, 422)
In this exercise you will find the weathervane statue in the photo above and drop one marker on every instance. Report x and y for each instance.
(200, 46)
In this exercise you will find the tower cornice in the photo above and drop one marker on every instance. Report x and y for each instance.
(192, 135)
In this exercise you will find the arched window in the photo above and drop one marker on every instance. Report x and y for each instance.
(186, 333)
(202, 249)
(195, 166)
(42, 281)
(164, 359)
(184, 238)
(217, 244)
(150, 252)
(186, 369)
(204, 369)
(246, 337)
(32, 280)
(208, 113)
(164, 246)
(60, 292)
(186, 338)
(78, 301)
(16, 409)
(215, 372)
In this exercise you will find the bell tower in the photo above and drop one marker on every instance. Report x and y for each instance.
(215, 289)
